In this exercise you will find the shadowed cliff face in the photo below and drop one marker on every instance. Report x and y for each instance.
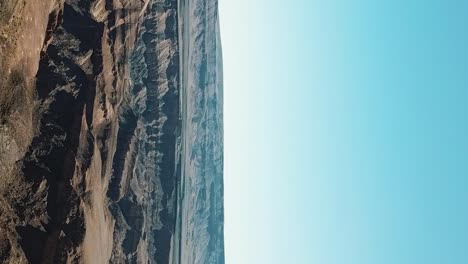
(114, 152)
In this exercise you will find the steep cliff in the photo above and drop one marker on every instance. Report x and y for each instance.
(111, 132)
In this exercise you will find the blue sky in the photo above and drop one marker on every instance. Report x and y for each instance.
(346, 136)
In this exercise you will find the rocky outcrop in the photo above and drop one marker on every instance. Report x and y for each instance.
(111, 132)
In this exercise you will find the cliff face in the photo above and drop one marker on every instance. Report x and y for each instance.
(111, 132)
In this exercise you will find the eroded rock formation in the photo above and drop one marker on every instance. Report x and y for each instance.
(111, 132)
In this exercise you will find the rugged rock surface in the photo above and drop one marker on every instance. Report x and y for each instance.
(111, 132)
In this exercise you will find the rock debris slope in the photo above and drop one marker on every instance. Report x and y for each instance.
(111, 140)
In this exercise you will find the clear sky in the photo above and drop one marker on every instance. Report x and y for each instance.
(346, 131)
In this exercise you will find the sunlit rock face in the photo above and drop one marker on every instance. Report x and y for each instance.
(120, 154)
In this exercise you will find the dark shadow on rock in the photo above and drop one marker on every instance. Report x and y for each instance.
(32, 242)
